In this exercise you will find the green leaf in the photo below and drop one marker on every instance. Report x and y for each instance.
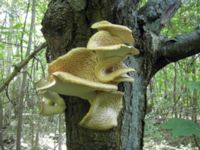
(1, 55)
(17, 26)
(2, 46)
(181, 127)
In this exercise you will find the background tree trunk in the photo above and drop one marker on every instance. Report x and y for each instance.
(23, 87)
(1, 125)
(66, 25)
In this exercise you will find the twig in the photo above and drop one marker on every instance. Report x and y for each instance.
(9, 43)
(43, 70)
(19, 66)
(8, 97)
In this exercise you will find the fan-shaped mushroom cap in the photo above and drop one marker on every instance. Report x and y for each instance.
(104, 110)
(123, 32)
(67, 84)
(79, 62)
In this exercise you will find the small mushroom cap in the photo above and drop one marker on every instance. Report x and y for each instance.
(123, 32)
(67, 84)
(104, 110)
(103, 38)
(51, 103)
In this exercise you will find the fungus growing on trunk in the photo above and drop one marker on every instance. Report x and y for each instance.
(123, 32)
(91, 73)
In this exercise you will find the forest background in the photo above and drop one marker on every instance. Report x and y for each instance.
(173, 92)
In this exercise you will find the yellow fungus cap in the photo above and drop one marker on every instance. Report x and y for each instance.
(103, 38)
(123, 32)
(120, 50)
(79, 62)
(100, 64)
(104, 110)
(67, 84)
(51, 103)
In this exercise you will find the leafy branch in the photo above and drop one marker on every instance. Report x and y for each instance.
(19, 66)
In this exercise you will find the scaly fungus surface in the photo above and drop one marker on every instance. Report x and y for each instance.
(91, 73)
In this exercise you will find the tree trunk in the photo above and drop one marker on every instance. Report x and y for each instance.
(175, 101)
(194, 94)
(74, 32)
(23, 87)
(1, 125)
(60, 132)
(66, 25)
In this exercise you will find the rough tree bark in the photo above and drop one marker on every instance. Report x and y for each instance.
(66, 25)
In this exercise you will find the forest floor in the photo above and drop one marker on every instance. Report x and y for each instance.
(50, 142)
(163, 145)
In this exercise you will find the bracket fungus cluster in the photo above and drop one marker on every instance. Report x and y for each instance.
(91, 73)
